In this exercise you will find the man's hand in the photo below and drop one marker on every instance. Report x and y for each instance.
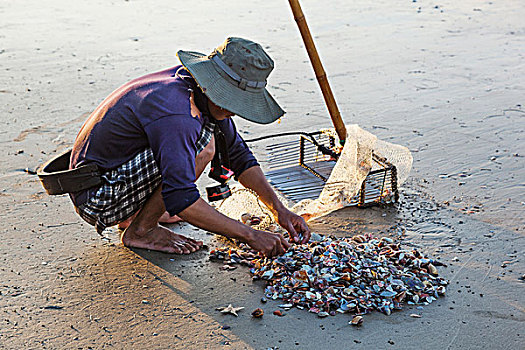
(254, 179)
(268, 243)
(202, 215)
(295, 225)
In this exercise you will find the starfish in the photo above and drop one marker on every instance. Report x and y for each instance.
(229, 309)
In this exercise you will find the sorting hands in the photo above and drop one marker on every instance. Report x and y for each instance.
(274, 244)
(268, 243)
(295, 225)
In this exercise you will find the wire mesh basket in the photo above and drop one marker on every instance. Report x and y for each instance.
(299, 169)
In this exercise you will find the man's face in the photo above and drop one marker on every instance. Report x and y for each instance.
(217, 112)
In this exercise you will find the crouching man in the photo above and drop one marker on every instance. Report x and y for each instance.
(153, 137)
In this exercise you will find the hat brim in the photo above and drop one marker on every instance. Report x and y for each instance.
(256, 105)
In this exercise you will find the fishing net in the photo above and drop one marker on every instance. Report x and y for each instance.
(354, 164)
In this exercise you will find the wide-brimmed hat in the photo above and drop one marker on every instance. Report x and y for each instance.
(234, 78)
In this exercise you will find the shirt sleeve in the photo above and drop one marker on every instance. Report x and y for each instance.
(172, 139)
(241, 158)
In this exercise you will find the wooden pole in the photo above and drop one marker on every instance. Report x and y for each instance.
(318, 69)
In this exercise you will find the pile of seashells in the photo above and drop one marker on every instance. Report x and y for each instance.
(346, 275)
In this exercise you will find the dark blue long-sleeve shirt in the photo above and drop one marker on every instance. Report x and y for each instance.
(154, 111)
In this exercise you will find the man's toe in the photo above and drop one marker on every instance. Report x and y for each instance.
(175, 249)
(194, 246)
(191, 240)
(182, 246)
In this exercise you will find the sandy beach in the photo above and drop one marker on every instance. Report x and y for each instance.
(444, 79)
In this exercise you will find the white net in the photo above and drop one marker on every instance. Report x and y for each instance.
(244, 201)
(343, 184)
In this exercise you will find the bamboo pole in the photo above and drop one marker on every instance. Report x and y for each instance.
(318, 69)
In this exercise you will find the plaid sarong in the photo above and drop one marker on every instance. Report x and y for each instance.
(126, 188)
(124, 192)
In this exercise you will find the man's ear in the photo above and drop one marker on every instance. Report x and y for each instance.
(195, 112)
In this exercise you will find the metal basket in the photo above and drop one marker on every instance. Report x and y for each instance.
(299, 170)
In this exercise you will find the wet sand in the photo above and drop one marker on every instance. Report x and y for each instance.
(443, 79)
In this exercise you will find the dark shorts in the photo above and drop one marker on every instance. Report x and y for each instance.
(124, 192)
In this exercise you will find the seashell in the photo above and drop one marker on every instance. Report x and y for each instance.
(344, 307)
(258, 313)
(245, 217)
(278, 313)
(342, 275)
(432, 269)
(357, 321)
(314, 310)
(359, 239)
(301, 275)
(427, 284)
(388, 294)
(310, 295)
(400, 297)
(437, 263)
(412, 283)
(255, 220)
(268, 274)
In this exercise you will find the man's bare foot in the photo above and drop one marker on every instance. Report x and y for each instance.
(167, 219)
(160, 239)
(164, 219)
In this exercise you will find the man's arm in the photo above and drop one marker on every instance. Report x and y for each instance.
(202, 215)
(253, 178)
(249, 174)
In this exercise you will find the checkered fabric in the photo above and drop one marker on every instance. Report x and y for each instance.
(205, 136)
(126, 188)
(124, 192)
